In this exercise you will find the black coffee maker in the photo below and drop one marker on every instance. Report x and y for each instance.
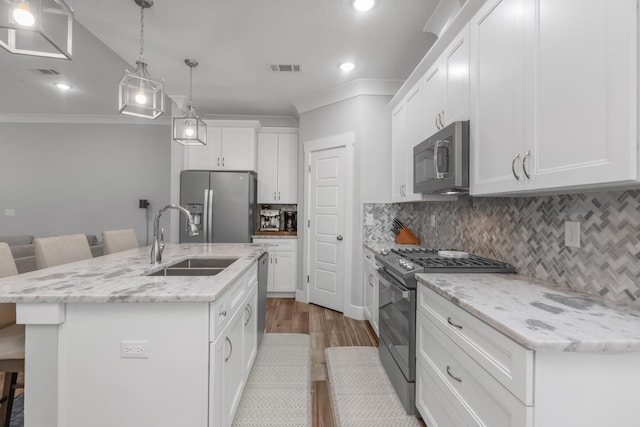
(290, 220)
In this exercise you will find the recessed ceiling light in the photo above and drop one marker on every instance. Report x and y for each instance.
(63, 86)
(347, 66)
(363, 5)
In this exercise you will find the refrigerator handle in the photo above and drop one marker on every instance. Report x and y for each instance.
(210, 215)
(205, 220)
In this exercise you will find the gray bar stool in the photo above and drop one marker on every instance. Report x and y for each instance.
(11, 342)
(58, 250)
(119, 240)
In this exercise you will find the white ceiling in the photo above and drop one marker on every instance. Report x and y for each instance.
(234, 41)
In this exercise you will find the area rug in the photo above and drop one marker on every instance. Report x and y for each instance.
(278, 390)
(361, 393)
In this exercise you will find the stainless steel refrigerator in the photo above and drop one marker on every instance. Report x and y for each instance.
(223, 203)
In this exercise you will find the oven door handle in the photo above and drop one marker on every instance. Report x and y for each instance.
(392, 282)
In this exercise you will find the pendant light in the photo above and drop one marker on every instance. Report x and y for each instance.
(36, 28)
(189, 129)
(140, 95)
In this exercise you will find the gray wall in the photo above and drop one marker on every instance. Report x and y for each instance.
(81, 178)
(528, 232)
(369, 118)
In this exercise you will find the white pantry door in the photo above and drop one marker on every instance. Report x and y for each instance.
(327, 182)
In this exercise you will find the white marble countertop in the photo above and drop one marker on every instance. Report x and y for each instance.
(273, 236)
(378, 246)
(121, 277)
(541, 316)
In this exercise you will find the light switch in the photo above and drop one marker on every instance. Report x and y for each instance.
(9, 212)
(433, 221)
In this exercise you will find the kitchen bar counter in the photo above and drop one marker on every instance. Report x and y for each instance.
(539, 315)
(121, 277)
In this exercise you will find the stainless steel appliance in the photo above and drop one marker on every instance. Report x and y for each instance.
(441, 162)
(397, 306)
(223, 204)
(269, 220)
(290, 220)
(263, 273)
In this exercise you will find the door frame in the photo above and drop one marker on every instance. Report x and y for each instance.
(346, 140)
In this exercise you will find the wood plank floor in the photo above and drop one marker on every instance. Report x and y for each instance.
(326, 328)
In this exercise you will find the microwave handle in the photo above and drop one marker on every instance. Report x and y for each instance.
(438, 174)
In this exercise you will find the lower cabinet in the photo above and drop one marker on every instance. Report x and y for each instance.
(370, 289)
(233, 349)
(470, 375)
(282, 264)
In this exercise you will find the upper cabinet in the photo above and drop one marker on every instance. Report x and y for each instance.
(553, 97)
(229, 147)
(439, 98)
(277, 167)
(446, 86)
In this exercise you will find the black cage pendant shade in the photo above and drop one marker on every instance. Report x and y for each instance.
(139, 94)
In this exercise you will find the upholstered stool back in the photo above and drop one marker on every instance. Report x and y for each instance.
(119, 240)
(58, 250)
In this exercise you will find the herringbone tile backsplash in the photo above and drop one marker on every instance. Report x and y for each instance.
(529, 233)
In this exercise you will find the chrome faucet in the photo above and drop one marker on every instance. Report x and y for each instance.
(158, 235)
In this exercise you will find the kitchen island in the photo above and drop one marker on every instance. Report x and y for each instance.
(107, 344)
(510, 350)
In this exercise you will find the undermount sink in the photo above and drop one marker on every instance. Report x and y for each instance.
(195, 267)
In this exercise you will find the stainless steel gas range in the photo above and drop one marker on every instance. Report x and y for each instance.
(397, 305)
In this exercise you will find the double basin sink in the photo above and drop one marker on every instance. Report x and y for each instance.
(195, 267)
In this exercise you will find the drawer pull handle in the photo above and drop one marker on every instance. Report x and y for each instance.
(450, 321)
(453, 376)
(226, 359)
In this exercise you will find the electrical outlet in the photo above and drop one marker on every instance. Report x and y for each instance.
(9, 212)
(369, 220)
(134, 349)
(433, 221)
(572, 234)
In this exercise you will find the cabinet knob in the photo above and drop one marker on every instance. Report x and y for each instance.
(339, 237)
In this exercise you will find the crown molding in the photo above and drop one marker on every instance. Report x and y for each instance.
(348, 90)
(255, 124)
(82, 119)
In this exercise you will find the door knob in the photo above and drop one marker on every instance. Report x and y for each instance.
(339, 237)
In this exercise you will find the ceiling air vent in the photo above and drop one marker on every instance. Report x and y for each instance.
(291, 68)
(46, 71)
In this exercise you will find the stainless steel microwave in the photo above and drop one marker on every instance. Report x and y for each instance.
(441, 162)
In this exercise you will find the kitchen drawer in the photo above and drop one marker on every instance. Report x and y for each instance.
(221, 310)
(431, 402)
(369, 257)
(477, 397)
(278, 244)
(507, 361)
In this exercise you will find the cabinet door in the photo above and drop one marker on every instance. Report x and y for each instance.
(398, 152)
(371, 296)
(216, 382)
(455, 62)
(239, 149)
(497, 97)
(434, 93)
(284, 271)
(288, 168)
(250, 347)
(585, 98)
(204, 157)
(267, 167)
(233, 375)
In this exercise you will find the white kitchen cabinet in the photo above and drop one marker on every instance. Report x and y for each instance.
(233, 376)
(250, 347)
(407, 130)
(446, 86)
(278, 168)
(370, 289)
(282, 264)
(547, 112)
(228, 148)
(470, 374)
